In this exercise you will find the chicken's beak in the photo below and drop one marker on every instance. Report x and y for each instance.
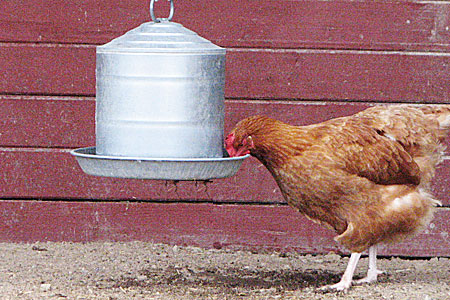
(242, 152)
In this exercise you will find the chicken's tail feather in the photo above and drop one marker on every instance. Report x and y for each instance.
(440, 112)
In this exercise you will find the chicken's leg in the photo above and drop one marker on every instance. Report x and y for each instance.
(373, 272)
(346, 280)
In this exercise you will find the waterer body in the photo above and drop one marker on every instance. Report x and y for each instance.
(160, 94)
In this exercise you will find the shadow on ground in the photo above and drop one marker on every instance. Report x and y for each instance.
(231, 278)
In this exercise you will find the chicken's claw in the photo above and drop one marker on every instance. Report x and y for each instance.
(370, 278)
(340, 287)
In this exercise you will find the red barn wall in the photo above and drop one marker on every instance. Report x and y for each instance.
(300, 61)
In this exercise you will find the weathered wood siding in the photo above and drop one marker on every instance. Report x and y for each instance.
(296, 60)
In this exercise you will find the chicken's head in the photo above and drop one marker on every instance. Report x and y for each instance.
(238, 145)
(247, 137)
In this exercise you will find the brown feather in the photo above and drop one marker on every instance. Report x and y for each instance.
(366, 176)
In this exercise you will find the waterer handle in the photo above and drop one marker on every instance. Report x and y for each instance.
(157, 20)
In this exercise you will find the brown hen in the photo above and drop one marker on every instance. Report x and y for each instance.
(367, 176)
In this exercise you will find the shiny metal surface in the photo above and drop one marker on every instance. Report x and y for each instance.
(163, 168)
(160, 93)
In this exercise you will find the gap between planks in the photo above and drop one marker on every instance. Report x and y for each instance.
(290, 101)
(251, 49)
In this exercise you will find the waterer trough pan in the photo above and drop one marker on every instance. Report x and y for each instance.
(159, 106)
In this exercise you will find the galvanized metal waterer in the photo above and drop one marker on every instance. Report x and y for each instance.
(159, 106)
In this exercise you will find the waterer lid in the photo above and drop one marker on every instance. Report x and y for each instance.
(161, 36)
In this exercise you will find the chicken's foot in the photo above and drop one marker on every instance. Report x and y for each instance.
(347, 278)
(373, 272)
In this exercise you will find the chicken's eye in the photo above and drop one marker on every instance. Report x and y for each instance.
(243, 143)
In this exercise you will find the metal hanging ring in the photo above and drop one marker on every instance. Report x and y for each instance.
(152, 13)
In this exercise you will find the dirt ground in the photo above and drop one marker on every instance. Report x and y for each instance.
(140, 270)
